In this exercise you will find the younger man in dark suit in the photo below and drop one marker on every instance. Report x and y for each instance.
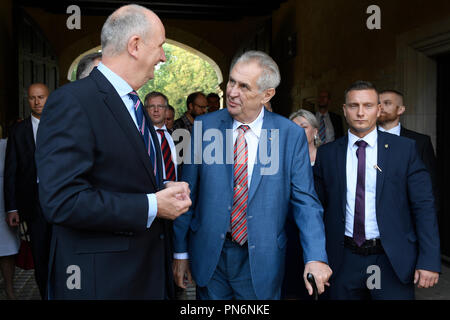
(21, 187)
(380, 220)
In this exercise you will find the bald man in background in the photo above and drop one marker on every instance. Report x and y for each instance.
(21, 185)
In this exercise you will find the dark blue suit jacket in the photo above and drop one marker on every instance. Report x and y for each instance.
(94, 175)
(201, 231)
(405, 209)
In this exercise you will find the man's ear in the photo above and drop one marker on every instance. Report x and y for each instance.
(401, 110)
(133, 45)
(343, 110)
(268, 94)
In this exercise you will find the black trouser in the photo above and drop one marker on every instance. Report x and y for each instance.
(40, 236)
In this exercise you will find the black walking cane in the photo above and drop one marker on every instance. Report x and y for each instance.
(312, 281)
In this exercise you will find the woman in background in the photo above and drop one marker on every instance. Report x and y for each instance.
(293, 284)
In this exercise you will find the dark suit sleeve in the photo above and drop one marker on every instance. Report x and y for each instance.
(318, 178)
(65, 156)
(10, 173)
(306, 207)
(422, 206)
(430, 162)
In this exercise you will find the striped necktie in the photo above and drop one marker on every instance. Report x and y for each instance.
(322, 129)
(167, 156)
(144, 129)
(240, 197)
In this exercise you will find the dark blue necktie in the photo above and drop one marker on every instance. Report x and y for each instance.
(359, 233)
(144, 129)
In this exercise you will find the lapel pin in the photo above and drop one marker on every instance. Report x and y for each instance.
(386, 146)
(377, 167)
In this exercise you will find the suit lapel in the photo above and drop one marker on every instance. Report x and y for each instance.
(118, 109)
(382, 162)
(227, 123)
(341, 169)
(29, 135)
(256, 174)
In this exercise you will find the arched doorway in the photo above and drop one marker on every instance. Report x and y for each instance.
(180, 75)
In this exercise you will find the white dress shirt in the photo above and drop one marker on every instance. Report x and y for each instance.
(395, 130)
(252, 138)
(35, 123)
(172, 150)
(371, 225)
(123, 89)
(329, 130)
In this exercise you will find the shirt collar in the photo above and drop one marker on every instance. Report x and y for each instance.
(255, 126)
(162, 128)
(35, 120)
(370, 138)
(395, 130)
(121, 86)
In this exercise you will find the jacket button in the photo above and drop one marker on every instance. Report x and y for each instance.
(222, 236)
(161, 236)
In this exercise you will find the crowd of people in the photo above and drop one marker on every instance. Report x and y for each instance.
(114, 213)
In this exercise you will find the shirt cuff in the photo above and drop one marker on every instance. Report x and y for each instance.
(181, 256)
(152, 208)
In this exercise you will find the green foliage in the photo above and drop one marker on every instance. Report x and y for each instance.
(182, 74)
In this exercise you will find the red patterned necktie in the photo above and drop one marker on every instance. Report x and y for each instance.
(240, 197)
(167, 156)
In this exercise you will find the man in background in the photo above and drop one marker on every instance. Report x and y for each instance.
(87, 63)
(330, 123)
(196, 104)
(213, 102)
(170, 118)
(21, 184)
(392, 107)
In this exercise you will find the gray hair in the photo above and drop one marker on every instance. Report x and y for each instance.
(86, 64)
(119, 27)
(312, 120)
(270, 76)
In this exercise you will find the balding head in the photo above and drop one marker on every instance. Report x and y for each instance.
(132, 44)
(122, 24)
(37, 97)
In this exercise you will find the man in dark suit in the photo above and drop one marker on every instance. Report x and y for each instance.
(235, 239)
(99, 164)
(392, 107)
(380, 219)
(330, 123)
(21, 187)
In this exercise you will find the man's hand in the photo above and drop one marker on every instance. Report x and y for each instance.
(13, 219)
(173, 201)
(321, 272)
(425, 279)
(181, 272)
